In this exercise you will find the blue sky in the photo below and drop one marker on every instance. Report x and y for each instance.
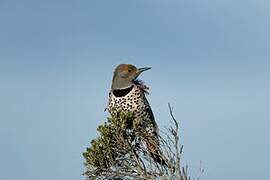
(209, 59)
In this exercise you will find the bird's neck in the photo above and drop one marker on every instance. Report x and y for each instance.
(122, 92)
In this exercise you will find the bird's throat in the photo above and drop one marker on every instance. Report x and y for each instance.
(122, 92)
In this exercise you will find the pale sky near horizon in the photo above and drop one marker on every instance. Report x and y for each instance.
(210, 60)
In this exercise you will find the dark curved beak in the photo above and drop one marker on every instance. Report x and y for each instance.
(143, 69)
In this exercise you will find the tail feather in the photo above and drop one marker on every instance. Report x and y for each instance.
(156, 154)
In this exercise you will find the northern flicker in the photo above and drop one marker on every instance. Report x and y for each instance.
(128, 94)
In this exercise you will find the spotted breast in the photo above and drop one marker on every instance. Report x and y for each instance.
(133, 100)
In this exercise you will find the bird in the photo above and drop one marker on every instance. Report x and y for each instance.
(128, 94)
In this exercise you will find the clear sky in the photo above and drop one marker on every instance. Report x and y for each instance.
(210, 59)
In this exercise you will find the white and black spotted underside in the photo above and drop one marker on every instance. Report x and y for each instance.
(132, 99)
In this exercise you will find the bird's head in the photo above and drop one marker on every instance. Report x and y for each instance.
(125, 74)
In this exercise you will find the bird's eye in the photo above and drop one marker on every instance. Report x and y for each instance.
(129, 70)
